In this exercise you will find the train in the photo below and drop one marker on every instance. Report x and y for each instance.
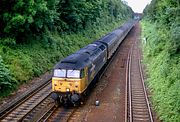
(73, 75)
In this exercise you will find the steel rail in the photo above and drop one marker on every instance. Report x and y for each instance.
(47, 115)
(11, 105)
(144, 88)
(64, 114)
(129, 79)
(126, 100)
(129, 93)
(32, 109)
(127, 82)
(25, 103)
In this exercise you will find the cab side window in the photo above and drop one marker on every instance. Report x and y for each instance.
(82, 73)
(102, 47)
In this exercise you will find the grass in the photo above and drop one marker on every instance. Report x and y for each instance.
(163, 70)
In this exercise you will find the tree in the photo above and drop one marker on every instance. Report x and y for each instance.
(22, 17)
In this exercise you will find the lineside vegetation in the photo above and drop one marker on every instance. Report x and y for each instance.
(34, 35)
(161, 47)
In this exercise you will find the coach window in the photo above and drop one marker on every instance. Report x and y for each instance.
(102, 47)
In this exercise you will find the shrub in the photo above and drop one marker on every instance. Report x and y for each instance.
(7, 82)
(163, 69)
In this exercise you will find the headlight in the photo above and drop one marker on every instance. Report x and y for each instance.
(67, 90)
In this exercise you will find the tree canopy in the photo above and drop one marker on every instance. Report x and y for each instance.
(21, 18)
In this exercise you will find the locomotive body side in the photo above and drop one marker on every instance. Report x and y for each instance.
(70, 78)
(98, 59)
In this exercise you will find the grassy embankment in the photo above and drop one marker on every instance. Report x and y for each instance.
(162, 58)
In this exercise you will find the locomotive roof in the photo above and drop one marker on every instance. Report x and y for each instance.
(74, 61)
(88, 49)
(80, 59)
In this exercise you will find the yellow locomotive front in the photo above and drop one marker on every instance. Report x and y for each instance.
(70, 79)
(68, 85)
(65, 81)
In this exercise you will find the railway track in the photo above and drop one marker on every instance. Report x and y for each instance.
(39, 110)
(27, 107)
(137, 108)
(58, 113)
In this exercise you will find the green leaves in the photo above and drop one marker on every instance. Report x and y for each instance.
(80, 14)
(8, 41)
(163, 11)
(162, 57)
(14, 24)
(22, 17)
(7, 83)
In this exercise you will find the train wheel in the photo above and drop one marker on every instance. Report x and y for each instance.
(57, 103)
(82, 100)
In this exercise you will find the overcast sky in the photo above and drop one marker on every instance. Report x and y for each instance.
(138, 5)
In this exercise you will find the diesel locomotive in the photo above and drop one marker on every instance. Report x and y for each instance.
(73, 75)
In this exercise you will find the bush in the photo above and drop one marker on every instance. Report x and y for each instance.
(7, 82)
(163, 59)
(163, 70)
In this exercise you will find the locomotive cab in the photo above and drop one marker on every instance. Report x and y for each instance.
(68, 85)
(69, 80)
(73, 75)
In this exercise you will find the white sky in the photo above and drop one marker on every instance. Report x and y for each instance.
(138, 5)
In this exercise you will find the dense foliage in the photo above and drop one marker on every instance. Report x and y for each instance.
(6, 81)
(80, 14)
(35, 34)
(22, 18)
(19, 18)
(161, 45)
